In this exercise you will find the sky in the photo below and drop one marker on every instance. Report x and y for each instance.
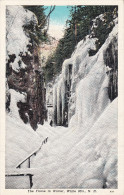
(57, 20)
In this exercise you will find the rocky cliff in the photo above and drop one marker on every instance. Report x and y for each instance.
(23, 69)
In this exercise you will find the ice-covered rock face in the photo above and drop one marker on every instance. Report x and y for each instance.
(83, 87)
(17, 40)
(23, 70)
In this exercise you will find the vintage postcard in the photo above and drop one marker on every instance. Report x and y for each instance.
(62, 90)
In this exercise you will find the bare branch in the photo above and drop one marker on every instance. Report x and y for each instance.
(47, 18)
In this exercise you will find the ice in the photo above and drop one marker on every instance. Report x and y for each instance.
(84, 154)
(89, 83)
(17, 39)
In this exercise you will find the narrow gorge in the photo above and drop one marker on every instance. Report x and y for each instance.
(61, 121)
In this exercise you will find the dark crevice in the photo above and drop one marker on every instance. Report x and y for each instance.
(111, 61)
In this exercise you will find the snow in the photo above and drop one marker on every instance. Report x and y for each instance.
(84, 155)
(17, 40)
(89, 89)
(16, 97)
(96, 21)
(21, 141)
(18, 134)
(75, 160)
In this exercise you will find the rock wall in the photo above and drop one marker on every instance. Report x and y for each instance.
(23, 69)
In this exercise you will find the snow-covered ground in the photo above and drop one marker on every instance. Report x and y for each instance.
(73, 159)
(21, 140)
(70, 158)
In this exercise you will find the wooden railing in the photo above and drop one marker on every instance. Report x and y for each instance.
(14, 175)
(32, 154)
(19, 172)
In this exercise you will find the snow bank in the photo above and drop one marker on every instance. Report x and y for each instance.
(99, 155)
(21, 140)
(90, 162)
